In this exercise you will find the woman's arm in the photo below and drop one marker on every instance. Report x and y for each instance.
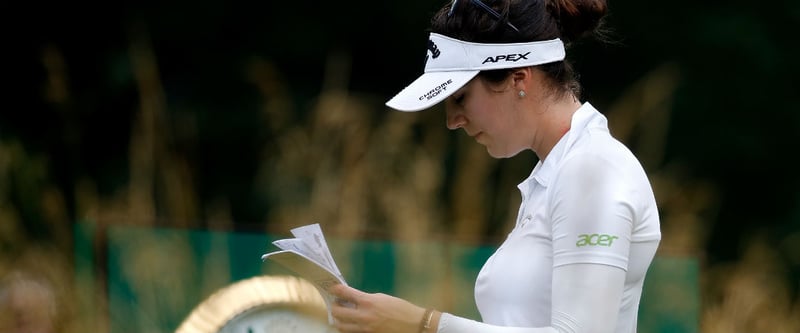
(586, 298)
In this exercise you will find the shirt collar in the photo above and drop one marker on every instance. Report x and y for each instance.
(585, 117)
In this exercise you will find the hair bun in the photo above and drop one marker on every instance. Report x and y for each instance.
(578, 17)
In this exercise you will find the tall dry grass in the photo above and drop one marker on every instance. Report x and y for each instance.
(363, 172)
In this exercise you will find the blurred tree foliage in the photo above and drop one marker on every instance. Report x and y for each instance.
(72, 95)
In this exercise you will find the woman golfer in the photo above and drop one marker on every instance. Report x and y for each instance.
(588, 225)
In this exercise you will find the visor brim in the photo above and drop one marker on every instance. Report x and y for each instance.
(429, 89)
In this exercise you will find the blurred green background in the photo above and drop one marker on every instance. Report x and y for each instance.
(254, 118)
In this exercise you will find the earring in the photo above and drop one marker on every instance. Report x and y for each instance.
(521, 93)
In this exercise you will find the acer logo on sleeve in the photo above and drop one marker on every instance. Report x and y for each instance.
(595, 240)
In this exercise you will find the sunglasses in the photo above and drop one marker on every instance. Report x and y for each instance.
(488, 9)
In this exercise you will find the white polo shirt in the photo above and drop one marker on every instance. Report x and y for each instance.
(589, 209)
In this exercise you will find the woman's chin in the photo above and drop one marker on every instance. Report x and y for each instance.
(494, 152)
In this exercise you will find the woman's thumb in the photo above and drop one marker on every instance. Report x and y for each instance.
(338, 290)
(344, 294)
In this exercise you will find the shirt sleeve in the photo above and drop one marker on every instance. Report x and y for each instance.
(592, 208)
(586, 298)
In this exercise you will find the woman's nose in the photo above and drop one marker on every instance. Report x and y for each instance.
(455, 119)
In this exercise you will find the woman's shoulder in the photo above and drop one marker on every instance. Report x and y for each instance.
(601, 159)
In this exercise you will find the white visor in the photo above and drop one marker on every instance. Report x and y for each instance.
(451, 63)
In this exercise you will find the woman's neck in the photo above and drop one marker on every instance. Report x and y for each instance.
(555, 123)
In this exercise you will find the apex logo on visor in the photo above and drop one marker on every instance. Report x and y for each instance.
(507, 57)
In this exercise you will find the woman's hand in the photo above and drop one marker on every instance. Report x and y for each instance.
(360, 312)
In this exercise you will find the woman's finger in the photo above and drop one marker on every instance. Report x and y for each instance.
(345, 327)
(343, 311)
(348, 321)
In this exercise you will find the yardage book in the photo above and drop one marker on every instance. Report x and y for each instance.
(309, 257)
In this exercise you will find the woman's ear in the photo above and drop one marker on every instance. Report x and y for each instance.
(521, 77)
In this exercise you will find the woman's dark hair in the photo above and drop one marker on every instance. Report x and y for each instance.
(535, 20)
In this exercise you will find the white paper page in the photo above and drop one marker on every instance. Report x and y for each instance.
(300, 246)
(312, 236)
